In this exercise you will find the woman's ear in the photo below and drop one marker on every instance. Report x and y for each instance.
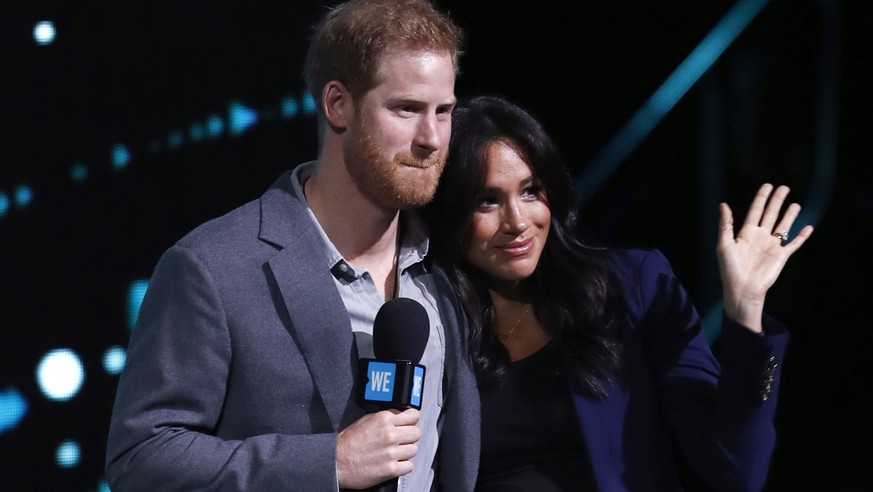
(337, 104)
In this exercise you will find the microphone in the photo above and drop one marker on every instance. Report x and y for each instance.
(394, 378)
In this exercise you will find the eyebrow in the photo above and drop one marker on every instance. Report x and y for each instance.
(491, 189)
(414, 101)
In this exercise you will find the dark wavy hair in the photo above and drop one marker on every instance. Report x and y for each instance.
(571, 283)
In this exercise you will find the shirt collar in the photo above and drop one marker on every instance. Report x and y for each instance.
(413, 247)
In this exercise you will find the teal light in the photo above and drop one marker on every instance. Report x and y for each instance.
(13, 408)
(68, 454)
(289, 107)
(23, 196)
(135, 294)
(663, 100)
(113, 360)
(78, 173)
(308, 103)
(120, 156)
(197, 132)
(241, 117)
(4, 204)
(827, 146)
(175, 139)
(214, 126)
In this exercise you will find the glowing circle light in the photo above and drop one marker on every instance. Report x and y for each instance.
(60, 374)
(13, 408)
(68, 454)
(44, 32)
(114, 359)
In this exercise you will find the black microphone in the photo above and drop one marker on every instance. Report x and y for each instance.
(394, 378)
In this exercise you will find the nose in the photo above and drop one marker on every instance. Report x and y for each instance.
(514, 220)
(427, 136)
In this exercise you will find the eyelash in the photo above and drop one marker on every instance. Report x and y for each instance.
(533, 189)
(409, 109)
(485, 201)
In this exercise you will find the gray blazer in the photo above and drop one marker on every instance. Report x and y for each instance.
(240, 369)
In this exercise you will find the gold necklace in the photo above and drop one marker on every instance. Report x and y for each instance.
(517, 322)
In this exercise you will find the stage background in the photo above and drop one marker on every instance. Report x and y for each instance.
(138, 121)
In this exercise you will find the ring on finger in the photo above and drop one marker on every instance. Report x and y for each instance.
(783, 236)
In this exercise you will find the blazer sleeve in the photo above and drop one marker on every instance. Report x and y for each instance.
(719, 411)
(171, 394)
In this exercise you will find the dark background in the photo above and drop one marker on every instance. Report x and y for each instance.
(789, 103)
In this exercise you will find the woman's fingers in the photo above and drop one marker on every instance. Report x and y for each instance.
(787, 221)
(756, 209)
(774, 207)
(725, 223)
(795, 244)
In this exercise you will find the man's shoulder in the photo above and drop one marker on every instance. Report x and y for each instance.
(220, 229)
(242, 226)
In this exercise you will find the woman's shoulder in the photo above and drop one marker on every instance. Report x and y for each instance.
(639, 275)
(629, 263)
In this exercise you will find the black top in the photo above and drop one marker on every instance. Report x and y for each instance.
(530, 435)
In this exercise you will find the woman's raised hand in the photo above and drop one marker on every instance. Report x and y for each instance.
(750, 260)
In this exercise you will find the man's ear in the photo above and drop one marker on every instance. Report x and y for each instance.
(337, 104)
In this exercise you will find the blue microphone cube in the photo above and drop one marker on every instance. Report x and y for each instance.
(381, 377)
(390, 384)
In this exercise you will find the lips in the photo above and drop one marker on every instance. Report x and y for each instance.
(409, 160)
(518, 248)
(418, 164)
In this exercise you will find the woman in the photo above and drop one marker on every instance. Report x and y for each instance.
(594, 372)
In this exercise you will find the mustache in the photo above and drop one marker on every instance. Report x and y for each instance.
(435, 159)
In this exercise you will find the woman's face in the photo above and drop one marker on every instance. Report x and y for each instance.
(511, 221)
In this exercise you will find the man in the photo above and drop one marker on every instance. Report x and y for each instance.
(241, 369)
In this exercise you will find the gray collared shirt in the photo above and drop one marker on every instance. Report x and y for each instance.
(362, 301)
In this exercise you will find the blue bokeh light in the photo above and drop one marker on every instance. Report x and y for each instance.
(196, 131)
(289, 107)
(68, 454)
(4, 204)
(135, 294)
(60, 374)
(114, 359)
(13, 408)
(214, 126)
(241, 117)
(120, 156)
(44, 32)
(23, 196)
(78, 172)
(308, 103)
(175, 139)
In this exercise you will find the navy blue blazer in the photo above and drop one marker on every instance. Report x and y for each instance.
(679, 402)
(241, 367)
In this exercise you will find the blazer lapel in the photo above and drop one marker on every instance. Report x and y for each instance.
(601, 425)
(319, 320)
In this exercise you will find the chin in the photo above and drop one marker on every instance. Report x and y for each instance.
(514, 275)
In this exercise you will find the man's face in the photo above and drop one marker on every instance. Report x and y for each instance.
(396, 143)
